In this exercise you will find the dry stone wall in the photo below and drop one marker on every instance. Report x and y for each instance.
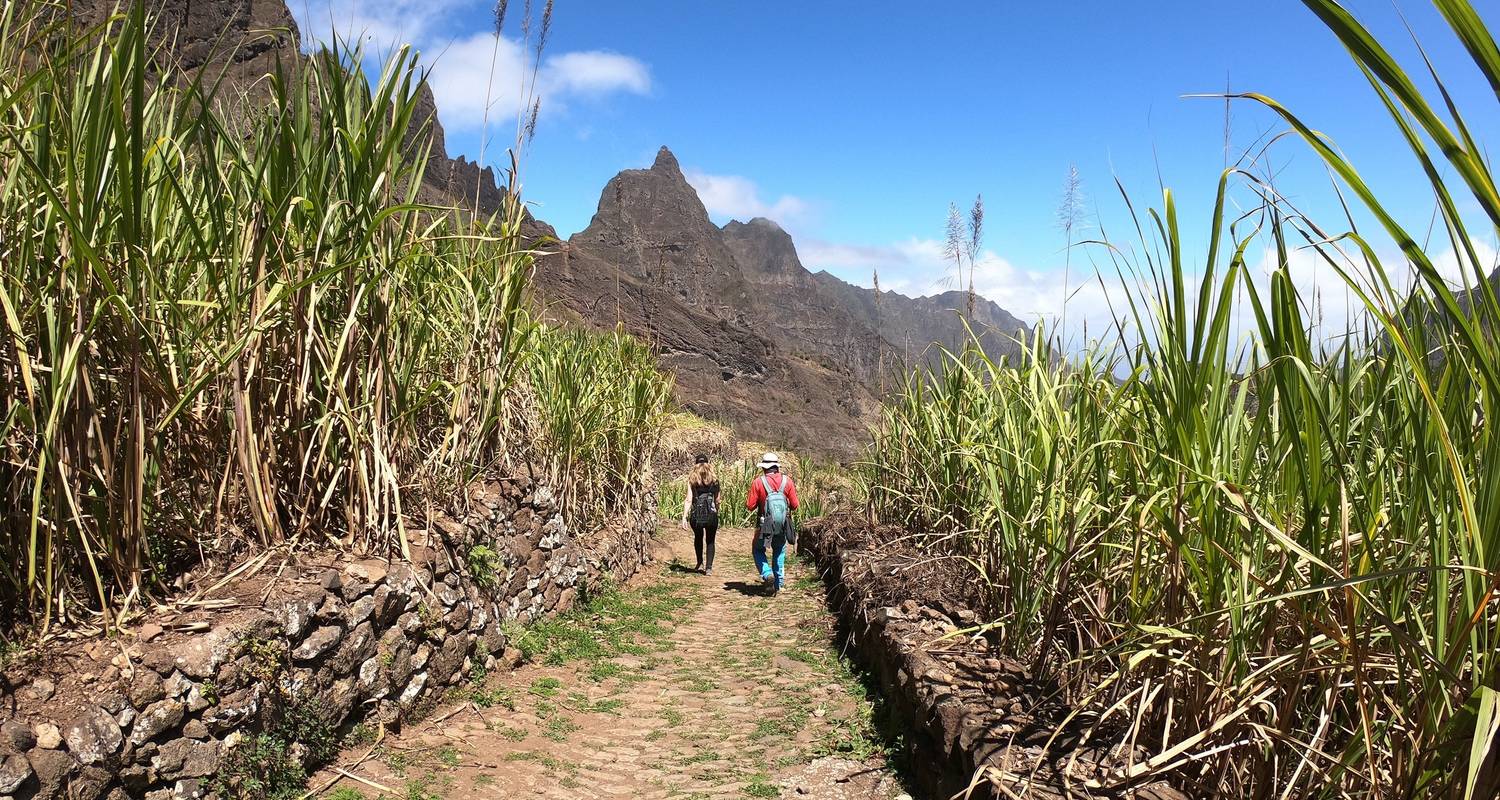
(977, 724)
(320, 641)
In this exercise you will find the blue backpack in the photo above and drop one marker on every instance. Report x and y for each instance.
(775, 510)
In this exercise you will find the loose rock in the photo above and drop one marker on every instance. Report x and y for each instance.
(52, 768)
(14, 771)
(94, 736)
(157, 717)
(16, 736)
(186, 758)
(48, 737)
(318, 643)
(200, 656)
(413, 689)
(40, 690)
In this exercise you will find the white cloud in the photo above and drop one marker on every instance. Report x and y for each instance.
(461, 72)
(595, 72)
(471, 73)
(917, 267)
(735, 197)
(376, 24)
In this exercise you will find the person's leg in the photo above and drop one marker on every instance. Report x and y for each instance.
(708, 546)
(779, 553)
(758, 549)
(698, 531)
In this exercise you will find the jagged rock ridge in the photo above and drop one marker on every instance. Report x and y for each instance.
(755, 339)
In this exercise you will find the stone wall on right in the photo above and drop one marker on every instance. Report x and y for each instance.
(974, 720)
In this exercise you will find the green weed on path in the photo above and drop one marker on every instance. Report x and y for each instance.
(612, 622)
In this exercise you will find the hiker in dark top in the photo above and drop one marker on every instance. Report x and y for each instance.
(774, 498)
(700, 510)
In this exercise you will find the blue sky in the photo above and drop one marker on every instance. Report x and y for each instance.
(855, 125)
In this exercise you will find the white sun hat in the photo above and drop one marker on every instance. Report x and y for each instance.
(768, 460)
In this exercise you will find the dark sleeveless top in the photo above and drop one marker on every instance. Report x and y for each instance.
(699, 491)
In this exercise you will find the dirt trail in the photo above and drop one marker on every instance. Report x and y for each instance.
(678, 686)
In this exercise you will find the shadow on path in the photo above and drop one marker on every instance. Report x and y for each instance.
(756, 589)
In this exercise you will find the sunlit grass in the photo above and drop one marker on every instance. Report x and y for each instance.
(233, 330)
(1272, 564)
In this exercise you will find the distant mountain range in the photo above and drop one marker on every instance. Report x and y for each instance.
(755, 340)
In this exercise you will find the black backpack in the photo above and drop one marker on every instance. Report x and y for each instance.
(705, 510)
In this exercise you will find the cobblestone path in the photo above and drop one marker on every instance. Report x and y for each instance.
(679, 685)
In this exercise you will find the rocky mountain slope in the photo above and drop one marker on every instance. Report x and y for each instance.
(796, 307)
(913, 324)
(652, 262)
(754, 338)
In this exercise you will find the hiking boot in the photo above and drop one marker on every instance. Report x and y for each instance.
(768, 579)
(708, 570)
(774, 590)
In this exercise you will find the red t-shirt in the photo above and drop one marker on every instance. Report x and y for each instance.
(778, 481)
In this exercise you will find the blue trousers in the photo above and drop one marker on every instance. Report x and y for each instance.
(778, 556)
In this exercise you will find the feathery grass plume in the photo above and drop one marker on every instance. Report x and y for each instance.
(953, 239)
(1069, 217)
(530, 94)
(536, 111)
(498, 32)
(546, 30)
(974, 243)
(953, 245)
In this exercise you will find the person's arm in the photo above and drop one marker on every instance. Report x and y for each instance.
(752, 501)
(791, 493)
(687, 502)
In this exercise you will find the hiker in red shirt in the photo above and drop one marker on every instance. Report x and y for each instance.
(774, 497)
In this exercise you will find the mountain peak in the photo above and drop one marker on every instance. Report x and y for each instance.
(760, 225)
(666, 162)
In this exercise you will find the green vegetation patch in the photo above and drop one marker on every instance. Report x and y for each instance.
(611, 622)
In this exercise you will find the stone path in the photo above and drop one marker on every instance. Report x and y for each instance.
(678, 686)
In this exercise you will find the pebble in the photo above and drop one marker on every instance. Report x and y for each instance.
(48, 736)
(41, 689)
